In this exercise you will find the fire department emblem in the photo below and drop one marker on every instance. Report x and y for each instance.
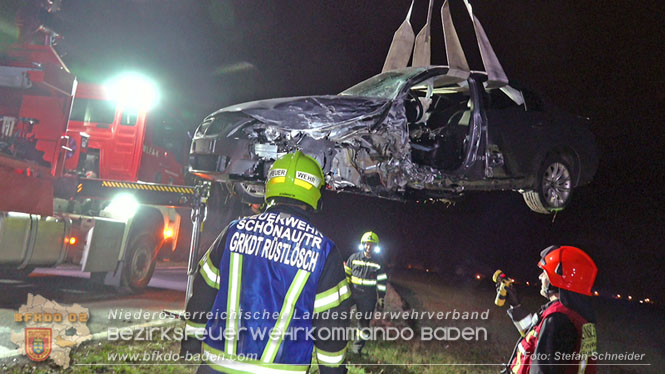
(38, 343)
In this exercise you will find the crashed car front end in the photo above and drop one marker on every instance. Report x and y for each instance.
(361, 143)
(360, 137)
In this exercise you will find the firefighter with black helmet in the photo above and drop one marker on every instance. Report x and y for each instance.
(254, 299)
(367, 276)
(561, 337)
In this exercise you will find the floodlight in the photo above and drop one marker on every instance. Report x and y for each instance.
(133, 91)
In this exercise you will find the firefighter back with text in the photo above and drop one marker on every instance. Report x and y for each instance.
(561, 337)
(260, 284)
(367, 276)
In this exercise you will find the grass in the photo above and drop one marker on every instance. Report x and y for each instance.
(93, 357)
(418, 357)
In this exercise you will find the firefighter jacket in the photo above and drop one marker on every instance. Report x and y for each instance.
(366, 275)
(556, 340)
(260, 295)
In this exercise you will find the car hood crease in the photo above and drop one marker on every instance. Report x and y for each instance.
(322, 113)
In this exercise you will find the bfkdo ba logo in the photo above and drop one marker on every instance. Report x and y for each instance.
(38, 343)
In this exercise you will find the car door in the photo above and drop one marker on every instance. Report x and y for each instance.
(518, 131)
(461, 123)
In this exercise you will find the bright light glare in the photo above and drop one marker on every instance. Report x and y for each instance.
(168, 233)
(133, 91)
(361, 247)
(123, 206)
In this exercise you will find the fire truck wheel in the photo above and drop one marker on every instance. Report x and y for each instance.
(140, 261)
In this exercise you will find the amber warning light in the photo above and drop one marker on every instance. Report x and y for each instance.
(168, 233)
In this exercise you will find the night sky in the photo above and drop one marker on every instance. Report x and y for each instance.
(598, 59)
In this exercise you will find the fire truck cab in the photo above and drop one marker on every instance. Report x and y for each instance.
(55, 130)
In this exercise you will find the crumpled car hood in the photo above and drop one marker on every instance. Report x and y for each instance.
(362, 142)
(313, 112)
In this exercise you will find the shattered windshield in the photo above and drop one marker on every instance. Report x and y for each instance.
(385, 85)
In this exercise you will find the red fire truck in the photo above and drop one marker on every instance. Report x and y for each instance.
(74, 159)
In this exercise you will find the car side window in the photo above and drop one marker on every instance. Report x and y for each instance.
(498, 100)
(532, 101)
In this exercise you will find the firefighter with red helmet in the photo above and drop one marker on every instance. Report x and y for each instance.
(367, 276)
(561, 337)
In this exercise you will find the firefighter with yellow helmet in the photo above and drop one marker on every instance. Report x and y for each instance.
(269, 274)
(365, 271)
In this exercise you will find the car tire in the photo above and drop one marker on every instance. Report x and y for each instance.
(140, 260)
(249, 193)
(554, 187)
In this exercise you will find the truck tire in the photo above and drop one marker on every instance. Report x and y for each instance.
(554, 186)
(140, 260)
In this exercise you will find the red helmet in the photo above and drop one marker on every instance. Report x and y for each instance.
(569, 268)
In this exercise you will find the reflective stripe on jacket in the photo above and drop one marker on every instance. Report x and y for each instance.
(364, 273)
(258, 287)
(522, 359)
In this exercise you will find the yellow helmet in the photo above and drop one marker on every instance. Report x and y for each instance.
(369, 236)
(296, 176)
